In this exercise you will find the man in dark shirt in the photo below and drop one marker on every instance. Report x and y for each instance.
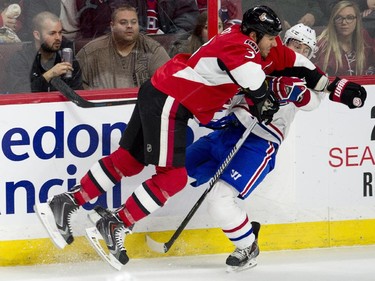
(32, 68)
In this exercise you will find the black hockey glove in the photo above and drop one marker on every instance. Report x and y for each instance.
(270, 107)
(346, 92)
(264, 109)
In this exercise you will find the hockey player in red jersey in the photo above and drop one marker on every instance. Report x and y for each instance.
(156, 133)
(184, 87)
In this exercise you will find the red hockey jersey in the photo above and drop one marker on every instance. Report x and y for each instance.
(200, 83)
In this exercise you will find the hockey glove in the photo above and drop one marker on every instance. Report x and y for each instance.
(270, 107)
(265, 109)
(346, 92)
(287, 89)
(222, 123)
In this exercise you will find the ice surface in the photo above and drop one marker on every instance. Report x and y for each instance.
(333, 264)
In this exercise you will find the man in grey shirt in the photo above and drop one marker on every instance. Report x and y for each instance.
(123, 58)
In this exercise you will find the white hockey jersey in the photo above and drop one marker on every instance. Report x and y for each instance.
(278, 129)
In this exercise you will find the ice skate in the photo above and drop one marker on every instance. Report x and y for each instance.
(112, 230)
(55, 215)
(242, 259)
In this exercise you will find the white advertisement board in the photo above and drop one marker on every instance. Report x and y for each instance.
(324, 169)
(47, 148)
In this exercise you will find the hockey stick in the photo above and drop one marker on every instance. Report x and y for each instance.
(70, 94)
(164, 247)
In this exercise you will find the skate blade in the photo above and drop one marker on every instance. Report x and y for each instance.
(45, 215)
(94, 237)
(250, 264)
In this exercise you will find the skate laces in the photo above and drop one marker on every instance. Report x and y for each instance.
(120, 231)
(242, 254)
(119, 237)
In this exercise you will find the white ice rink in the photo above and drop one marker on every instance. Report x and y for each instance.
(334, 264)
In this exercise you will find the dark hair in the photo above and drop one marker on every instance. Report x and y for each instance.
(196, 40)
(38, 20)
(124, 7)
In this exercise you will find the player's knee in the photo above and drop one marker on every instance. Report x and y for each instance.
(221, 202)
(125, 162)
(170, 179)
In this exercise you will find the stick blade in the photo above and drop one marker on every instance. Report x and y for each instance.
(156, 246)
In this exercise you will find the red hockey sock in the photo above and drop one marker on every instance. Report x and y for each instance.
(104, 174)
(153, 194)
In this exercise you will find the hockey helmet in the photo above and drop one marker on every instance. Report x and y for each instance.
(303, 34)
(261, 19)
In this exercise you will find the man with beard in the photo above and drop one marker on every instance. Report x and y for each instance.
(123, 58)
(32, 68)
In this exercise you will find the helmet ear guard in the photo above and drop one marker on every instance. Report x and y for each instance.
(261, 19)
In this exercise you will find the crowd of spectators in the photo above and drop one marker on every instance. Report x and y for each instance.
(128, 55)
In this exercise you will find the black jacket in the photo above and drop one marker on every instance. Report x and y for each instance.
(24, 71)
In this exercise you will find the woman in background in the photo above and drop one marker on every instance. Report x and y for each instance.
(344, 47)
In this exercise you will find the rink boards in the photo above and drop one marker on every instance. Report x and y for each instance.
(321, 193)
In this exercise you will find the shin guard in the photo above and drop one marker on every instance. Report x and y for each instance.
(227, 213)
(101, 177)
(153, 194)
(104, 174)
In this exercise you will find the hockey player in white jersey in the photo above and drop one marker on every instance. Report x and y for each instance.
(256, 157)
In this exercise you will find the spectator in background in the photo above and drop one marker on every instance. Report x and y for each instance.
(65, 9)
(32, 68)
(366, 7)
(301, 39)
(291, 12)
(155, 17)
(123, 58)
(230, 11)
(368, 16)
(199, 36)
(69, 18)
(7, 17)
(344, 47)
(9, 23)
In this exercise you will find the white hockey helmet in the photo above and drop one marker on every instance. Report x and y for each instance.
(304, 34)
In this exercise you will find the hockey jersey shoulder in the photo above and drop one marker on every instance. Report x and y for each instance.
(279, 58)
